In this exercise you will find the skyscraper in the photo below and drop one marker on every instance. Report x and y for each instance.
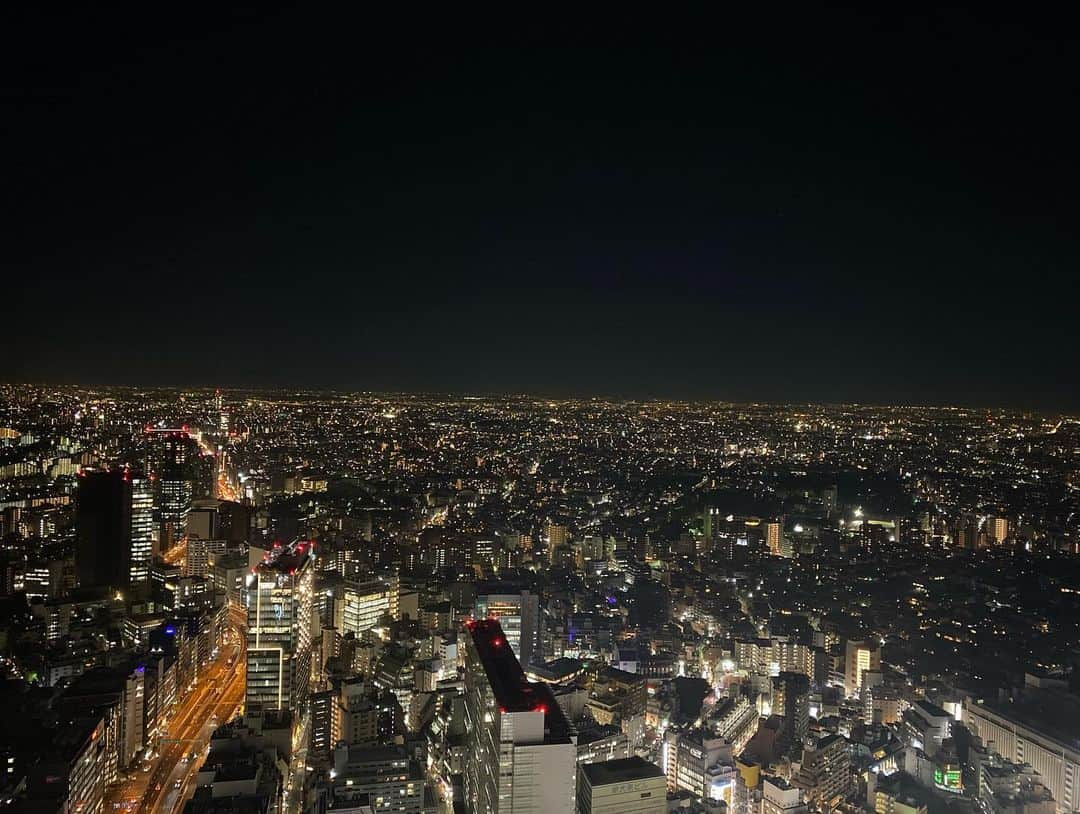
(774, 537)
(521, 756)
(173, 458)
(142, 530)
(281, 620)
(175, 503)
(114, 529)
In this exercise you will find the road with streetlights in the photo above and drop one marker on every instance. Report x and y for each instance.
(217, 697)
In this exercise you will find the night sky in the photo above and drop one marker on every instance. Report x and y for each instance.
(822, 208)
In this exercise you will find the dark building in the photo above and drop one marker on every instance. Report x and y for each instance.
(791, 699)
(103, 528)
(174, 459)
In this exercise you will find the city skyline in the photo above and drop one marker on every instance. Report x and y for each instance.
(217, 598)
(539, 397)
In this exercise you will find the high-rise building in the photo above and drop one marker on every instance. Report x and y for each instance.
(859, 657)
(72, 775)
(518, 612)
(521, 756)
(774, 537)
(281, 626)
(222, 411)
(142, 530)
(791, 699)
(172, 457)
(626, 786)
(997, 529)
(174, 505)
(114, 530)
(825, 773)
(325, 727)
(363, 604)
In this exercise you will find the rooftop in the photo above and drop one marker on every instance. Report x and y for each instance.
(1053, 713)
(288, 560)
(513, 691)
(620, 771)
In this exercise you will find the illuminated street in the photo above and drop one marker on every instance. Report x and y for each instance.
(218, 692)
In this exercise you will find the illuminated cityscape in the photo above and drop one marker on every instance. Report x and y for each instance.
(415, 603)
(659, 414)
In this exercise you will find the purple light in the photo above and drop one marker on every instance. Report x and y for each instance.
(170, 631)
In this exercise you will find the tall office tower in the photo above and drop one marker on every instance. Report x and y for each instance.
(281, 626)
(791, 699)
(858, 658)
(114, 531)
(625, 786)
(222, 411)
(363, 604)
(175, 504)
(518, 612)
(142, 530)
(325, 727)
(172, 458)
(521, 756)
(997, 529)
(774, 537)
(712, 520)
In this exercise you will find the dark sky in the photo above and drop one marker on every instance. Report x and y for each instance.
(816, 208)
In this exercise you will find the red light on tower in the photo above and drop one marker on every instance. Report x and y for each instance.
(496, 642)
(540, 708)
